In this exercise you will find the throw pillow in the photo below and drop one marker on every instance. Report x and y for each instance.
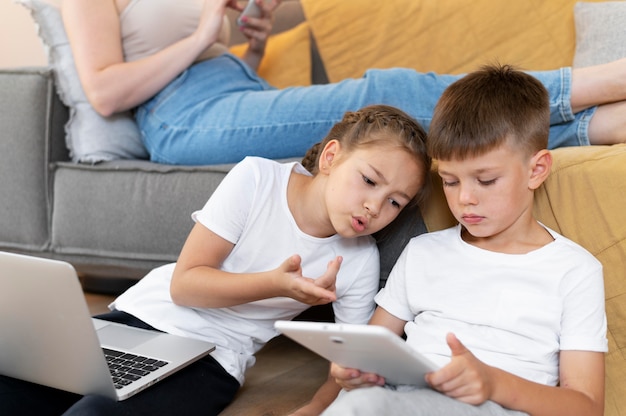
(287, 59)
(600, 32)
(90, 137)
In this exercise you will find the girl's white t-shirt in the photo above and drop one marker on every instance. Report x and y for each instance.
(514, 312)
(250, 209)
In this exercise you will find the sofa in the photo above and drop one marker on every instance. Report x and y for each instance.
(116, 219)
(113, 220)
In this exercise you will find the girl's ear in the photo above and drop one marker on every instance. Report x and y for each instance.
(329, 156)
(540, 165)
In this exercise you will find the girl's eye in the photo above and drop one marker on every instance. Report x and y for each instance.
(368, 180)
(487, 183)
(395, 203)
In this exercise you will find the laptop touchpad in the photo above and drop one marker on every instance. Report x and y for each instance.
(122, 337)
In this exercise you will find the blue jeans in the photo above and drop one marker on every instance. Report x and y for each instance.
(219, 111)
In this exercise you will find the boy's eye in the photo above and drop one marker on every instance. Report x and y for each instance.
(482, 182)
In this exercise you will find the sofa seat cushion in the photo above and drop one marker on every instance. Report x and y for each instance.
(125, 204)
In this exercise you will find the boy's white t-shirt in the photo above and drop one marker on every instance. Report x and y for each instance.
(514, 312)
(250, 209)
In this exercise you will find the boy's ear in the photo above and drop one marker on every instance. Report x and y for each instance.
(329, 155)
(540, 165)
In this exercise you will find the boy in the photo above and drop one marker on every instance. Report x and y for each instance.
(520, 307)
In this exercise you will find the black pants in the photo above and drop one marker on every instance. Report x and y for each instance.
(202, 388)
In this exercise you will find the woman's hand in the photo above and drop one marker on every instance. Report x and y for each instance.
(211, 21)
(257, 31)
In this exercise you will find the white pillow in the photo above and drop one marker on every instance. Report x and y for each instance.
(90, 137)
(600, 32)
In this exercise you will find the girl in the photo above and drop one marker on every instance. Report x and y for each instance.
(198, 104)
(271, 241)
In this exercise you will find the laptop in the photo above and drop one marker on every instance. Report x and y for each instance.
(48, 337)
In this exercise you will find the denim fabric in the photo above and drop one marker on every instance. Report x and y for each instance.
(219, 111)
(566, 128)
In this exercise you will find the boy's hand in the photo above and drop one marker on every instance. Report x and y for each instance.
(351, 378)
(465, 378)
(318, 291)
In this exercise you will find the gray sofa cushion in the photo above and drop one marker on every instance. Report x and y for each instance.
(137, 210)
(138, 214)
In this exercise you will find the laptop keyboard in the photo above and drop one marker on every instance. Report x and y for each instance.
(126, 368)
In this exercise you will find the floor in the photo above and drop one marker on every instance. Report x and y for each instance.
(284, 378)
(97, 303)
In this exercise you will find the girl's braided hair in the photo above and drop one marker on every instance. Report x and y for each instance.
(376, 125)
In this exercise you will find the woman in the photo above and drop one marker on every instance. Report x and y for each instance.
(197, 104)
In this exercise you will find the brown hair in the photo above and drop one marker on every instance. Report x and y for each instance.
(487, 108)
(377, 125)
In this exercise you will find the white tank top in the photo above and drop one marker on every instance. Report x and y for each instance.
(147, 26)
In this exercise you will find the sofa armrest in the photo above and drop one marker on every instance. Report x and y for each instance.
(28, 96)
(32, 135)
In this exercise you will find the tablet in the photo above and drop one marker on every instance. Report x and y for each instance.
(369, 348)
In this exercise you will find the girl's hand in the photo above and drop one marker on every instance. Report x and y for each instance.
(351, 378)
(465, 378)
(318, 291)
(257, 31)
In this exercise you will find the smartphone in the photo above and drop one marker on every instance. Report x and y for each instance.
(251, 10)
